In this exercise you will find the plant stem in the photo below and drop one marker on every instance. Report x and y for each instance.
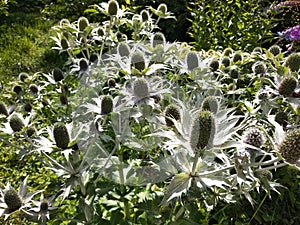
(196, 158)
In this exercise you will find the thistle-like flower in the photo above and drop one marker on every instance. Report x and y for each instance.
(31, 131)
(234, 73)
(138, 61)
(282, 118)
(106, 105)
(57, 74)
(82, 23)
(259, 68)
(192, 61)
(237, 57)
(211, 104)
(123, 50)
(228, 52)
(255, 137)
(64, 43)
(293, 62)
(290, 147)
(113, 7)
(287, 86)
(33, 89)
(226, 61)
(172, 111)
(141, 88)
(203, 131)
(145, 15)
(43, 208)
(61, 135)
(158, 39)
(3, 109)
(16, 122)
(23, 76)
(83, 64)
(214, 65)
(275, 50)
(17, 89)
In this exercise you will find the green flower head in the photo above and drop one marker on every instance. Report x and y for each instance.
(12, 200)
(214, 65)
(57, 74)
(172, 111)
(106, 105)
(30, 131)
(287, 86)
(63, 98)
(237, 57)
(33, 89)
(17, 89)
(145, 15)
(275, 50)
(123, 50)
(162, 8)
(293, 62)
(141, 88)
(228, 52)
(83, 23)
(83, 64)
(138, 61)
(113, 8)
(23, 76)
(211, 104)
(226, 61)
(64, 43)
(61, 135)
(202, 131)
(259, 68)
(16, 123)
(192, 60)
(290, 147)
(158, 39)
(234, 73)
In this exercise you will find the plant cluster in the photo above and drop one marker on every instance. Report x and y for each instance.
(139, 130)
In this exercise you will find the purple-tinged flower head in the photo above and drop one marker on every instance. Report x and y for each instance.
(285, 4)
(292, 34)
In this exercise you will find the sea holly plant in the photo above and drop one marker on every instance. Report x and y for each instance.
(139, 130)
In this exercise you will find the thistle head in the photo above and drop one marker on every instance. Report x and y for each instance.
(287, 86)
(100, 31)
(214, 65)
(83, 64)
(141, 88)
(234, 73)
(192, 60)
(162, 8)
(211, 104)
(158, 39)
(27, 107)
(138, 61)
(228, 52)
(255, 137)
(282, 118)
(106, 105)
(83, 23)
(33, 88)
(30, 131)
(264, 174)
(172, 111)
(57, 74)
(12, 200)
(145, 15)
(113, 8)
(93, 57)
(257, 50)
(17, 89)
(61, 135)
(3, 109)
(64, 43)
(202, 131)
(123, 50)
(275, 50)
(111, 83)
(293, 62)
(16, 122)
(237, 57)
(23, 76)
(226, 61)
(259, 68)
(290, 146)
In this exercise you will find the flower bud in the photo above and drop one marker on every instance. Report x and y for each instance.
(61, 135)
(287, 86)
(145, 15)
(203, 131)
(16, 123)
(172, 111)
(106, 105)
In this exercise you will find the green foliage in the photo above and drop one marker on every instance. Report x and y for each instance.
(238, 24)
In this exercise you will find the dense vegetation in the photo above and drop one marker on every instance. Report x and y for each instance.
(141, 112)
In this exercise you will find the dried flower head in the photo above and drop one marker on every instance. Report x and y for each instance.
(172, 111)
(202, 131)
(290, 147)
(293, 62)
(287, 86)
(61, 135)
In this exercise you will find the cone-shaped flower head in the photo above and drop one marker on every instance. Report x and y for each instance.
(282, 118)
(138, 61)
(23, 76)
(12, 200)
(17, 89)
(275, 50)
(57, 74)
(64, 43)
(287, 86)
(259, 68)
(162, 8)
(3, 109)
(61, 135)
(214, 65)
(290, 147)
(30, 131)
(113, 8)
(172, 111)
(145, 15)
(83, 64)
(254, 136)
(123, 50)
(158, 39)
(293, 62)
(82, 23)
(27, 107)
(141, 88)
(63, 98)
(106, 105)
(226, 61)
(203, 131)
(100, 31)
(111, 83)
(16, 123)
(237, 57)
(192, 60)
(228, 52)
(33, 89)
(211, 104)
(93, 57)
(234, 73)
